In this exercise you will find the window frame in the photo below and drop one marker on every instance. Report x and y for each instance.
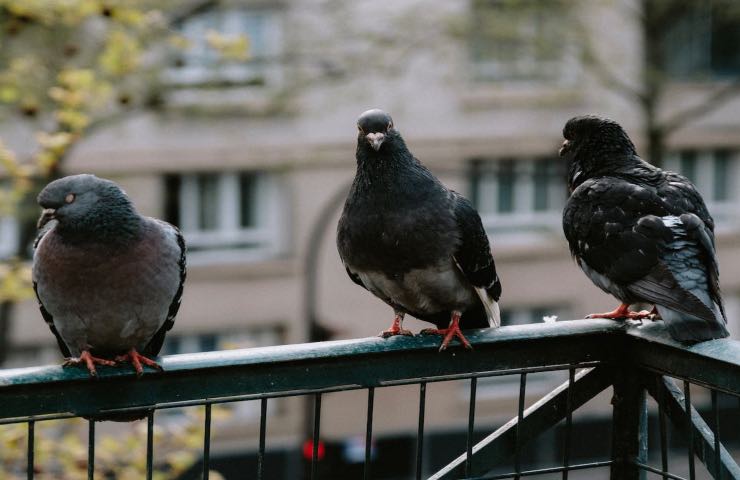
(524, 216)
(230, 240)
(259, 70)
(527, 65)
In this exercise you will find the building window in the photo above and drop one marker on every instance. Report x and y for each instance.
(702, 40)
(526, 40)
(8, 237)
(199, 63)
(716, 174)
(516, 195)
(222, 214)
(207, 342)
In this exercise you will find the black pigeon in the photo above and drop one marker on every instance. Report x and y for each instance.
(108, 280)
(413, 243)
(640, 233)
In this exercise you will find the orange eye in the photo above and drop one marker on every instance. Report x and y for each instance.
(360, 129)
(69, 198)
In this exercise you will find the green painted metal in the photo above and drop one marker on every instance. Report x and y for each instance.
(702, 435)
(630, 358)
(714, 364)
(500, 446)
(300, 369)
(629, 441)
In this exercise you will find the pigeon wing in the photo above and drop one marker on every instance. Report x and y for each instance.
(598, 223)
(474, 258)
(50, 322)
(155, 344)
(48, 317)
(631, 236)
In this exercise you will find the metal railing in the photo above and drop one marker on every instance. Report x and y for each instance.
(596, 354)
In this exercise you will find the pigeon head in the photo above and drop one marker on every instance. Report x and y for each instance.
(594, 145)
(374, 128)
(85, 205)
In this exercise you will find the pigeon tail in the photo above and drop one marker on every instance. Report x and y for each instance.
(690, 329)
(493, 313)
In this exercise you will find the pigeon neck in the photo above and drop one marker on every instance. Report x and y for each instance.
(113, 227)
(599, 161)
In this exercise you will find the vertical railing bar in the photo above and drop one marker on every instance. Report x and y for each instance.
(316, 435)
(207, 442)
(663, 426)
(420, 432)
(149, 444)
(568, 422)
(717, 443)
(263, 434)
(471, 427)
(91, 449)
(689, 428)
(369, 434)
(520, 418)
(31, 447)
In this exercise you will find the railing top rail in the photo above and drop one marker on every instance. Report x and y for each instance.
(336, 349)
(715, 363)
(54, 391)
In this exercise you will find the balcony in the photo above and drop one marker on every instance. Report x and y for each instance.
(595, 354)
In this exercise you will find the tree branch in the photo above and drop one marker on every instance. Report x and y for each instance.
(608, 78)
(711, 102)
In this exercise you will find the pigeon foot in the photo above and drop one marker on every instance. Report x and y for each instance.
(396, 328)
(137, 360)
(89, 361)
(449, 333)
(623, 311)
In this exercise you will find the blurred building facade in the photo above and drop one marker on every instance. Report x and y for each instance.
(253, 160)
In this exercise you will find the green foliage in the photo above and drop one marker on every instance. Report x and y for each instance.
(61, 448)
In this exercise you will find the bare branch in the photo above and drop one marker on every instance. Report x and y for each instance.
(710, 102)
(608, 78)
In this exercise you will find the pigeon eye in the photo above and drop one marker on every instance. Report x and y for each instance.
(390, 125)
(360, 129)
(69, 198)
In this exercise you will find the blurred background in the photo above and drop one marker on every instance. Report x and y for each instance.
(235, 120)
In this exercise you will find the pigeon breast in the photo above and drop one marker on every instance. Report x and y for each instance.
(109, 297)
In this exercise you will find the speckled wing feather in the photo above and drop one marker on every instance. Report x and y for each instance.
(650, 242)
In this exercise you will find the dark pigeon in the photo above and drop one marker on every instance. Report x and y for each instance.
(108, 280)
(413, 243)
(640, 233)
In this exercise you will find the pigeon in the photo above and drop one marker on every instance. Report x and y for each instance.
(413, 243)
(108, 280)
(640, 233)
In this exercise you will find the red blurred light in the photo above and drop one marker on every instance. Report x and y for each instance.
(308, 450)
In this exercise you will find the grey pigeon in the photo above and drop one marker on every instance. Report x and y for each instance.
(108, 280)
(416, 245)
(640, 233)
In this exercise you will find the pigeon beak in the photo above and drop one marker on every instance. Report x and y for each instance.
(375, 140)
(564, 148)
(47, 215)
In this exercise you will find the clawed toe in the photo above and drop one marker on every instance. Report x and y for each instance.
(89, 361)
(138, 360)
(392, 333)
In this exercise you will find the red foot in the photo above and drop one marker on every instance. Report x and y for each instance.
(89, 361)
(449, 333)
(623, 311)
(395, 328)
(136, 360)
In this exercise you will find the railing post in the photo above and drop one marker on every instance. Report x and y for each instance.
(629, 426)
